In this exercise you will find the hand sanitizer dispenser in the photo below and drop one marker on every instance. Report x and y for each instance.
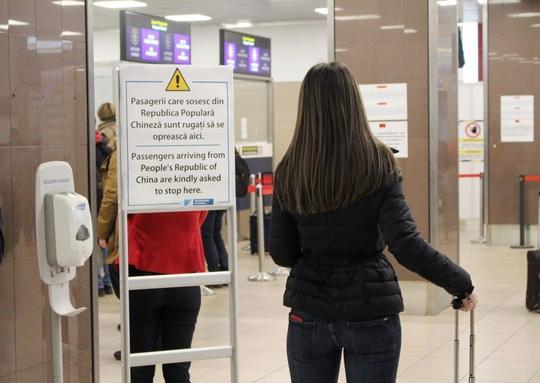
(65, 241)
(68, 229)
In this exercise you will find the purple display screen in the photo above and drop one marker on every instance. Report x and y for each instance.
(182, 49)
(254, 59)
(247, 54)
(150, 45)
(230, 54)
(152, 39)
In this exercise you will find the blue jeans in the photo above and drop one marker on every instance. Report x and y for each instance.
(371, 349)
(104, 281)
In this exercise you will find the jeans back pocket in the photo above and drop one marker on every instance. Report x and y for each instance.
(375, 340)
(301, 338)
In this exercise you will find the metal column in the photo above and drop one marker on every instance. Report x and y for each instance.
(261, 275)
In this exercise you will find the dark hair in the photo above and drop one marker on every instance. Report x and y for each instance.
(334, 159)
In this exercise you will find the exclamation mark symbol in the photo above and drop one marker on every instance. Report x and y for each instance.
(178, 81)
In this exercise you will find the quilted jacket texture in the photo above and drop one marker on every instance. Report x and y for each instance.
(339, 270)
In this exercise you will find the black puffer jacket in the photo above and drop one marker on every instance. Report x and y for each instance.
(339, 270)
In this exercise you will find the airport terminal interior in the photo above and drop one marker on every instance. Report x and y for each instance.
(174, 88)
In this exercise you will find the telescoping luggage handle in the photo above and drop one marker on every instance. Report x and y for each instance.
(457, 304)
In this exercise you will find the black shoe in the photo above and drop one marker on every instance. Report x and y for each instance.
(109, 290)
(118, 355)
(101, 293)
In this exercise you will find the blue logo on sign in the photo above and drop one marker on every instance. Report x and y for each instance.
(187, 202)
(203, 202)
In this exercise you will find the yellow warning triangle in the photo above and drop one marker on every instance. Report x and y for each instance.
(178, 83)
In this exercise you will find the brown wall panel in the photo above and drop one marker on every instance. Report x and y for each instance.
(23, 80)
(48, 21)
(7, 318)
(514, 69)
(378, 55)
(42, 118)
(285, 107)
(5, 95)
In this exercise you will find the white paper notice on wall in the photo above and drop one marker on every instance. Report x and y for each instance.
(384, 102)
(517, 118)
(394, 134)
(243, 128)
(176, 137)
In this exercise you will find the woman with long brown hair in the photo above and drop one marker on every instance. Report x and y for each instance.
(338, 202)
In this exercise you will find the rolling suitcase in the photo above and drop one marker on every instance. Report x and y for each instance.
(456, 304)
(532, 300)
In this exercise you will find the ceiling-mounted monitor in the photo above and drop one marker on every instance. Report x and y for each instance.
(151, 39)
(247, 54)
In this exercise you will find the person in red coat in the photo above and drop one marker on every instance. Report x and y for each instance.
(167, 243)
(158, 243)
(164, 243)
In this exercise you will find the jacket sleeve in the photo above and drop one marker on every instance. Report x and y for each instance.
(109, 205)
(406, 244)
(284, 245)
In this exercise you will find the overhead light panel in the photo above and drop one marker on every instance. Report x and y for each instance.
(535, 26)
(447, 3)
(240, 24)
(16, 23)
(71, 33)
(68, 3)
(524, 15)
(120, 4)
(410, 31)
(324, 11)
(492, 2)
(392, 27)
(188, 18)
(357, 17)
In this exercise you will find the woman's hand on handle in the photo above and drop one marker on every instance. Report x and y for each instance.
(469, 303)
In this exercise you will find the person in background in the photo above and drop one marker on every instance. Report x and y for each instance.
(159, 243)
(215, 251)
(107, 115)
(105, 134)
(338, 202)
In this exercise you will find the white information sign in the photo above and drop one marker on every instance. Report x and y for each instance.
(394, 134)
(177, 137)
(384, 102)
(471, 140)
(517, 118)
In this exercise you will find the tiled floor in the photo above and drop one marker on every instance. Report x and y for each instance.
(508, 337)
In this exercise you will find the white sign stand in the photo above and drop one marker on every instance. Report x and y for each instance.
(176, 153)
